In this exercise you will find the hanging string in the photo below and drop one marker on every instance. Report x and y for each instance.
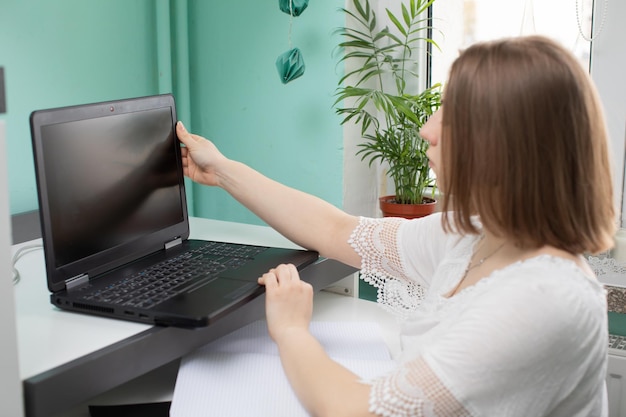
(591, 36)
(528, 17)
(290, 21)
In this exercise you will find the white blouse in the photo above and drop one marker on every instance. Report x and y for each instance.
(528, 340)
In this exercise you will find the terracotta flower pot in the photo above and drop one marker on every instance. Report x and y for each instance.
(390, 208)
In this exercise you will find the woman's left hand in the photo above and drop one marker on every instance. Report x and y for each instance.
(288, 302)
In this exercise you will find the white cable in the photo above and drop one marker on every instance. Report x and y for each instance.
(18, 254)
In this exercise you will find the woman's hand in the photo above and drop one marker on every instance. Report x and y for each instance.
(200, 157)
(288, 302)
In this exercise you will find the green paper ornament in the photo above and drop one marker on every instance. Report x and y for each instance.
(293, 7)
(290, 65)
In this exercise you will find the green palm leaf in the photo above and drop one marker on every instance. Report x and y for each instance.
(389, 54)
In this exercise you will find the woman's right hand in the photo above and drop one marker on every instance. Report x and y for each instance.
(200, 157)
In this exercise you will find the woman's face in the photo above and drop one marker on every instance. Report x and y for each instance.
(431, 132)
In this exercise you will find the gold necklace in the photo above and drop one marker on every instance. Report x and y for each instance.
(470, 266)
(483, 259)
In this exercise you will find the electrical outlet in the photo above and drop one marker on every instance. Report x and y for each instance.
(3, 102)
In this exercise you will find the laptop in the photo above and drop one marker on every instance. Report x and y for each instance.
(114, 220)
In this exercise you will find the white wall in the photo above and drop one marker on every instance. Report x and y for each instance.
(608, 70)
(11, 403)
(360, 182)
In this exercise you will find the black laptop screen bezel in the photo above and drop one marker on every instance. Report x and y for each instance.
(121, 254)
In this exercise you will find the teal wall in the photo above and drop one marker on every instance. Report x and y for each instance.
(66, 52)
(289, 132)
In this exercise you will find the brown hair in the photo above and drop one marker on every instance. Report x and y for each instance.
(525, 147)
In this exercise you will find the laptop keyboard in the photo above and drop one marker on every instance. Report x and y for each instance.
(162, 281)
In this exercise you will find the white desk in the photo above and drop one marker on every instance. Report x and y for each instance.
(158, 385)
(66, 358)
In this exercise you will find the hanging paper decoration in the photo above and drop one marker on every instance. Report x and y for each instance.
(293, 7)
(290, 65)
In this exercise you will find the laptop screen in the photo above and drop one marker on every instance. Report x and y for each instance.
(109, 182)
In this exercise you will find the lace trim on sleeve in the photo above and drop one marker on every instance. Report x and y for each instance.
(376, 242)
(413, 390)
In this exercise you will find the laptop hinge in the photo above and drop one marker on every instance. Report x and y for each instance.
(76, 281)
(172, 243)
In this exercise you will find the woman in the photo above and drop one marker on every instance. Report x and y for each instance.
(501, 314)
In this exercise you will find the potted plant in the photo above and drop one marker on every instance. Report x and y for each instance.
(389, 113)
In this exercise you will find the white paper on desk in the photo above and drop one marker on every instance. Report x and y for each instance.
(241, 375)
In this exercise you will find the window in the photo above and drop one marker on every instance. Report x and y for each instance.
(459, 23)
